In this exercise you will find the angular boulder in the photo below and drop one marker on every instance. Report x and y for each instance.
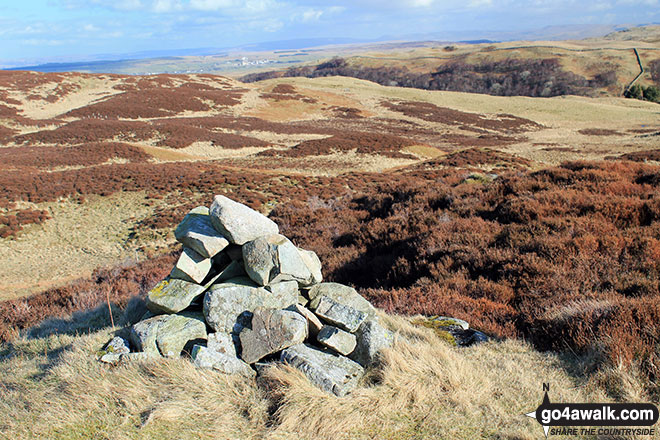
(337, 339)
(173, 295)
(340, 315)
(222, 343)
(330, 372)
(342, 294)
(196, 232)
(371, 338)
(272, 330)
(228, 305)
(288, 288)
(238, 223)
(273, 258)
(167, 335)
(314, 324)
(191, 267)
(313, 263)
(204, 357)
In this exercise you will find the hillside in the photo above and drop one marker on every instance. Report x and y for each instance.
(534, 219)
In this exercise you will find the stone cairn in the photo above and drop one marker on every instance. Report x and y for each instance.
(242, 297)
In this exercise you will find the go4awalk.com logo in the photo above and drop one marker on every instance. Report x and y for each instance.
(600, 419)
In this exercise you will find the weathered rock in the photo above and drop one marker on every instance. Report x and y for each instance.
(225, 303)
(465, 338)
(173, 295)
(313, 263)
(342, 294)
(191, 267)
(338, 340)
(314, 324)
(372, 338)
(197, 232)
(330, 372)
(272, 330)
(176, 330)
(222, 342)
(343, 316)
(288, 288)
(111, 358)
(117, 345)
(113, 350)
(447, 321)
(204, 357)
(167, 335)
(273, 258)
(238, 223)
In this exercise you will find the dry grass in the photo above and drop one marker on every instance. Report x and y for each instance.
(53, 388)
(78, 238)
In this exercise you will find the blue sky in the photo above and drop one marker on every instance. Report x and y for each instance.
(33, 29)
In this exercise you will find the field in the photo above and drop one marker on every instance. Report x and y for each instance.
(535, 219)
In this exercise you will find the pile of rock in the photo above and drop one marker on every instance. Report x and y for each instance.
(242, 296)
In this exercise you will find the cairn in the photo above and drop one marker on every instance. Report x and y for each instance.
(242, 297)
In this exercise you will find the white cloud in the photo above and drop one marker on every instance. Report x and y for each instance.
(90, 28)
(166, 5)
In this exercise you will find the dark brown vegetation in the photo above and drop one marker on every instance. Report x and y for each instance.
(364, 143)
(510, 77)
(173, 133)
(283, 92)
(12, 222)
(159, 102)
(567, 257)
(432, 113)
(639, 156)
(598, 132)
(84, 154)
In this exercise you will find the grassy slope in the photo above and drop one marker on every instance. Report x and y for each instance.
(52, 387)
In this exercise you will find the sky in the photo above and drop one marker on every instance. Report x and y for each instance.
(48, 29)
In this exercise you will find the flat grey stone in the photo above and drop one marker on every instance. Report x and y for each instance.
(272, 330)
(204, 357)
(191, 266)
(331, 372)
(111, 358)
(314, 324)
(239, 223)
(337, 339)
(288, 288)
(196, 231)
(371, 339)
(273, 258)
(313, 263)
(176, 330)
(226, 302)
(117, 345)
(342, 294)
(167, 335)
(173, 295)
(343, 316)
(222, 342)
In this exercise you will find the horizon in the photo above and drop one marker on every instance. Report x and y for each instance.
(47, 31)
